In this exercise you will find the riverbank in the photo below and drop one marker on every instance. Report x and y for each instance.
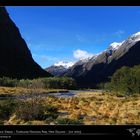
(26, 93)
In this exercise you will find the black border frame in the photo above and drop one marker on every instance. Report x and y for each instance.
(69, 2)
(92, 130)
(131, 131)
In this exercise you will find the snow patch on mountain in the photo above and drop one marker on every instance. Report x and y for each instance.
(135, 37)
(115, 45)
(132, 40)
(64, 64)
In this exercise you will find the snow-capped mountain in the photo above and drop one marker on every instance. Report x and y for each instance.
(56, 70)
(64, 64)
(59, 68)
(91, 71)
(130, 41)
(135, 37)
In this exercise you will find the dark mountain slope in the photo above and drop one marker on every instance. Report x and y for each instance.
(15, 58)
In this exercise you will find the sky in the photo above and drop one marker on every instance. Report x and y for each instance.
(70, 33)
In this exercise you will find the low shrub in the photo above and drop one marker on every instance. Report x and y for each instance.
(24, 83)
(35, 110)
(7, 107)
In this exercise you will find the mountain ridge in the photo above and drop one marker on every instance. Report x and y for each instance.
(106, 63)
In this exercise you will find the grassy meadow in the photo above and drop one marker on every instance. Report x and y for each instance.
(86, 108)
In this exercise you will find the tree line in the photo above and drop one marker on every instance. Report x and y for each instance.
(49, 83)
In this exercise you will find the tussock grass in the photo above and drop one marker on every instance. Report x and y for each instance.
(86, 108)
(101, 109)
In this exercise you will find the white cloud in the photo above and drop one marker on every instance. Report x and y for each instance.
(81, 54)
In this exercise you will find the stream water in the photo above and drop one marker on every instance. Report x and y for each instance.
(71, 93)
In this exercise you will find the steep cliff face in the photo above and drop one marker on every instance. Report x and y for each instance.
(99, 68)
(15, 58)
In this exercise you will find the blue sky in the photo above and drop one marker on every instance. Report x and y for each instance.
(70, 33)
